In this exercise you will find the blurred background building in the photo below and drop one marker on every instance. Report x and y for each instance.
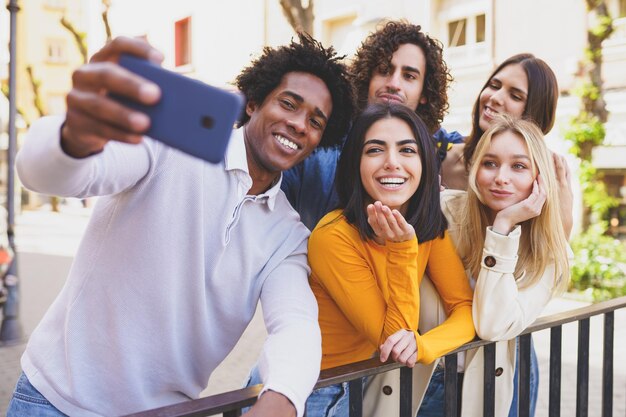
(212, 41)
(47, 55)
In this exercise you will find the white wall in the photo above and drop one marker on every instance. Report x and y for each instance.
(225, 35)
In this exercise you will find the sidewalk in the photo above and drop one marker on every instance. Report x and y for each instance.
(47, 241)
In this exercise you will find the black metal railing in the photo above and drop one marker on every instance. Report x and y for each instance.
(230, 403)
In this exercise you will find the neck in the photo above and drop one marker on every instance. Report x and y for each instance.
(259, 186)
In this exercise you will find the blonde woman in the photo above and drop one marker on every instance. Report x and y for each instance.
(512, 205)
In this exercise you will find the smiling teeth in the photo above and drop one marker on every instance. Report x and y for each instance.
(286, 142)
(491, 113)
(396, 182)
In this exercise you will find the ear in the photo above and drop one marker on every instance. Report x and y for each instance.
(423, 100)
(250, 107)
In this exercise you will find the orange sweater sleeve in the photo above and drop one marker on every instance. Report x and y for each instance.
(448, 275)
(347, 268)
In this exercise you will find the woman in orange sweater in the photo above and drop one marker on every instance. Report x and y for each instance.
(369, 256)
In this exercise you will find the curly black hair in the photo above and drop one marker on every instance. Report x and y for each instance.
(376, 51)
(265, 73)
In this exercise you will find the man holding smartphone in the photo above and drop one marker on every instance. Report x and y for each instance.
(178, 252)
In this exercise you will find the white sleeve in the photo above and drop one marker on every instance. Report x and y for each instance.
(292, 354)
(501, 310)
(42, 166)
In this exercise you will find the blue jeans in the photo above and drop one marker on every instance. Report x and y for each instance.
(432, 405)
(27, 401)
(329, 401)
(534, 382)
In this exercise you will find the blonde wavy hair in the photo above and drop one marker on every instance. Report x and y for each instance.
(543, 240)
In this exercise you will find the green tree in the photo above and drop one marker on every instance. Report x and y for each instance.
(599, 259)
(587, 128)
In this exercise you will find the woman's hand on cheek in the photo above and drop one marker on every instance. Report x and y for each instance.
(388, 224)
(507, 218)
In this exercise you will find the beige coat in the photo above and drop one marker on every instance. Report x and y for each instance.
(501, 311)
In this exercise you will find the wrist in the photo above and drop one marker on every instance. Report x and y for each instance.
(272, 403)
(502, 226)
(76, 150)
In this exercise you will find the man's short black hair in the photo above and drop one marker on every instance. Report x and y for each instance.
(265, 73)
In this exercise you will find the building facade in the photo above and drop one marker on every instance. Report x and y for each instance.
(212, 41)
(46, 55)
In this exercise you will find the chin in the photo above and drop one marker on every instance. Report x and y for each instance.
(496, 208)
(483, 124)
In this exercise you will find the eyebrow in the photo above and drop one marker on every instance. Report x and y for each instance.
(411, 69)
(519, 90)
(407, 68)
(516, 156)
(384, 143)
(300, 100)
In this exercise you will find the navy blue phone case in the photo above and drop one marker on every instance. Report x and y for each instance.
(191, 116)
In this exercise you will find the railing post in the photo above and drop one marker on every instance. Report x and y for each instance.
(523, 383)
(554, 406)
(607, 365)
(406, 391)
(450, 386)
(355, 389)
(582, 381)
(489, 389)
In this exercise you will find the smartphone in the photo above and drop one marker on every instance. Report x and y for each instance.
(191, 116)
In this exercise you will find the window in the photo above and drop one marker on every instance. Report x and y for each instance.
(182, 40)
(456, 32)
(480, 28)
(468, 30)
(55, 51)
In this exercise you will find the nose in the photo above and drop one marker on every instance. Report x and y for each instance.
(497, 97)
(297, 123)
(393, 81)
(502, 176)
(391, 162)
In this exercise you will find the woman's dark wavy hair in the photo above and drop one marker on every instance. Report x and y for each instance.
(376, 52)
(424, 209)
(543, 93)
(266, 72)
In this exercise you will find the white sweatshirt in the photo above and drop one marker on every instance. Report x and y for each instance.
(167, 277)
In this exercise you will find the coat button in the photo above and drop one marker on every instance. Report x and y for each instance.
(490, 261)
(387, 390)
(499, 371)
